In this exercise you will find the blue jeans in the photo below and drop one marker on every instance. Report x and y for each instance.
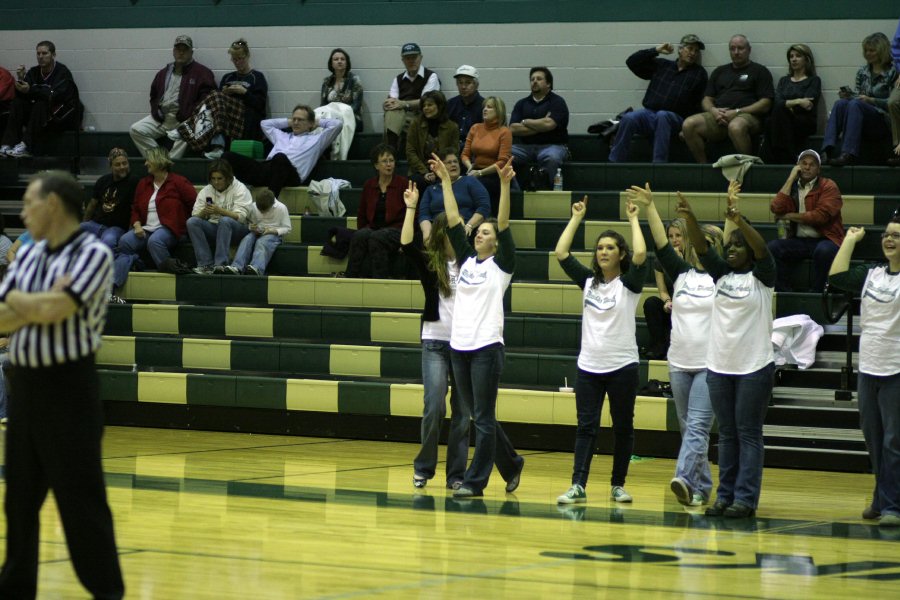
(789, 250)
(477, 375)
(108, 235)
(159, 244)
(549, 157)
(436, 371)
(879, 419)
(740, 403)
(695, 419)
(590, 388)
(855, 120)
(222, 234)
(256, 250)
(657, 124)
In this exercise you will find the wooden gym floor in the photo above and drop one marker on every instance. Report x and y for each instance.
(229, 515)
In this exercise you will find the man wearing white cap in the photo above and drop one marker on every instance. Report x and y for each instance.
(402, 103)
(465, 109)
(176, 90)
(816, 230)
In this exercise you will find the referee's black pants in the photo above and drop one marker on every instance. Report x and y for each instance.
(53, 442)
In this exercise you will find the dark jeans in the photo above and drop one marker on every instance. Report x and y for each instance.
(785, 130)
(879, 418)
(477, 375)
(436, 371)
(29, 122)
(590, 388)
(53, 442)
(659, 325)
(794, 249)
(740, 403)
(854, 121)
(276, 173)
(378, 245)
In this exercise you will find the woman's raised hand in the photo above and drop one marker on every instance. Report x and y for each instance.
(411, 195)
(438, 167)
(507, 173)
(642, 196)
(855, 233)
(683, 208)
(580, 208)
(631, 209)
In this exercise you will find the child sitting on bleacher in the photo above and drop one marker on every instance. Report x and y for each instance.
(269, 222)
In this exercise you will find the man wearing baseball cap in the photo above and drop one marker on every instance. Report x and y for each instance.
(465, 109)
(810, 207)
(175, 92)
(675, 91)
(407, 88)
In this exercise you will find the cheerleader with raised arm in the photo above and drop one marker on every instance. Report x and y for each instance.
(608, 360)
(438, 272)
(878, 382)
(476, 335)
(739, 359)
(692, 303)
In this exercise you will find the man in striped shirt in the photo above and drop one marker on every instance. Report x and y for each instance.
(53, 300)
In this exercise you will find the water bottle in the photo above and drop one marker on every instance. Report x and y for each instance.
(557, 181)
(781, 228)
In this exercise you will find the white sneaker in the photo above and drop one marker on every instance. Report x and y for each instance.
(229, 270)
(698, 499)
(619, 494)
(5, 149)
(575, 495)
(203, 270)
(681, 490)
(20, 150)
(173, 135)
(214, 153)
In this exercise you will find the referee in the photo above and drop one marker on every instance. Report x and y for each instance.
(53, 300)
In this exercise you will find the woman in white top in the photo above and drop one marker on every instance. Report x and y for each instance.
(739, 359)
(608, 360)
(878, 382)
(476, 335)
(692, 303)
(438, 273)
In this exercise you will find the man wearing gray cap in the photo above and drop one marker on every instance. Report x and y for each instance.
(175, 92)
(809, 206)
(675, 91)
(465, 109)
(407, 88)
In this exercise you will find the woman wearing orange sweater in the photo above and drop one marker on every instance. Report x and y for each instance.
(488, 147)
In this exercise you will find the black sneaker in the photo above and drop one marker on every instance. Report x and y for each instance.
(717, 509)
(738, 511)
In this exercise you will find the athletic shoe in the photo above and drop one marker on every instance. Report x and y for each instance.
(574, 495)
(5, 149)
(681, 490)
(513, 483)
(229, 270)
(889, 520)
(203, 270)
(619, 494)
(464, 492)
(214, 153)
(113, 299)
(739, 511)
(251, 270)
(173, 135)
(870, 514)
(20, 150)
(698, 499)
(419, 482)
(454, 485)
(219, 270)
(717, 509)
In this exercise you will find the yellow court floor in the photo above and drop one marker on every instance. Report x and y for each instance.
(231, 515)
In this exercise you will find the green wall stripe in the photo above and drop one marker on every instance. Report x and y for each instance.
(297, 323)
(255, 356)
(364, 398)
(158, 352)
(201, 320)
(305, 359)
(211, 390)
(118, 385)
(260, 392)
(402, 363)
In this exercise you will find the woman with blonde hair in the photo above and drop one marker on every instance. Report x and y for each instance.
(488, 147)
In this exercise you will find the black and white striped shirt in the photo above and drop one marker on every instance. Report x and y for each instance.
(35, 269)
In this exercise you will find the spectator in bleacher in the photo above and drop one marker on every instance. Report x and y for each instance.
(472, 199)
(7, 92)
(878, 383)
(269, 222)
(608, 359)
(380, 217)
(465, 109)
(796, 107)
(343, 85)
(658, 309)
(691, 310)
(674, 93)
(438, 272)
(219, 218)
(539, 122)
(108, 212)
(407, 88)
(861, 115)
(489, 147)
(176, 92)
(429, 132)
(22, 240)
(162, 202)
(232, 112)
(737, 99)
(815, 231)
(476, 334)
(5, 246)
(294, 154)
(46, 102)
(739, 359)
(894, 101)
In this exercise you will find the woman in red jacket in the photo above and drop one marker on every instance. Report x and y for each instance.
(159, 214)
(380, 217)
